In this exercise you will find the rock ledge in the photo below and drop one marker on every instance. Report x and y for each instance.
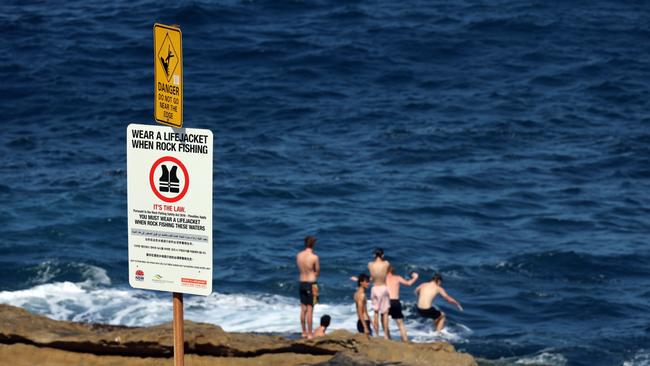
(27, 338)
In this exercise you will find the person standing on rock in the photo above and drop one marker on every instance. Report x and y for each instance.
(379, 294)
(427, 292)
(309, 268)
(360, 302)
(393, 282)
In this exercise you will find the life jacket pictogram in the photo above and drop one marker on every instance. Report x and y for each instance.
(168, 181)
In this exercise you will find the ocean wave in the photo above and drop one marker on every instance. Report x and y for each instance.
(574, 266)
(560, 225)
(19, 275)
(543, 359)
(27, 143)
(641, 358)
(348, 13)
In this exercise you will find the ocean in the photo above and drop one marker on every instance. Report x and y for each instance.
(504, 144)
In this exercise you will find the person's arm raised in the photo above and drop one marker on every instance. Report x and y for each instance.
(408, 282)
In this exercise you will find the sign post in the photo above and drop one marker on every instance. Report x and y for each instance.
(179, 335)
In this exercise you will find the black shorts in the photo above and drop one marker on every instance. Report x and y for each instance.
(395, 310)
(431, 313)
(307, 293)
(360, 327)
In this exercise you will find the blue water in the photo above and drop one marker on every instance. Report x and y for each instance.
(505, 144)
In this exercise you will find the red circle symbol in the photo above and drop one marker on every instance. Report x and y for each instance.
(152, 183)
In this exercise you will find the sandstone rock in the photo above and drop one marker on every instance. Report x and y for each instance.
(204, 341)
(25, 355)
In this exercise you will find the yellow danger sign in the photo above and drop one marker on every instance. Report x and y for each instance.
(168, 75)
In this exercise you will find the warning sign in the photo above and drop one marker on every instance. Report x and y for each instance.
(168, 75)
(169, 182)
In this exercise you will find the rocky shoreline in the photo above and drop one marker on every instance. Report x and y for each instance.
(28, 339)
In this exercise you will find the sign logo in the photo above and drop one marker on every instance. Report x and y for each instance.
(193, 282)
(160, 279)
(139, 275)
(166, 181)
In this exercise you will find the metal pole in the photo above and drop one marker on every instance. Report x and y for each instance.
(179, 337)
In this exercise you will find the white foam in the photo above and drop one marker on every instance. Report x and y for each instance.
(543, 359)
(45, 272)
(93, 300)
(641, 358)
(456, 333)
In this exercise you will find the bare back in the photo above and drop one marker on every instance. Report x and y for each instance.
(427, 293)
(308, 265)
(378, 271)
(393, 283)
(319, 332)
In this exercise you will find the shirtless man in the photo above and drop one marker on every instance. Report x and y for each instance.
(427, 292)
(379, 293)
(393, 282)
(360, 301)
(309, 268)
